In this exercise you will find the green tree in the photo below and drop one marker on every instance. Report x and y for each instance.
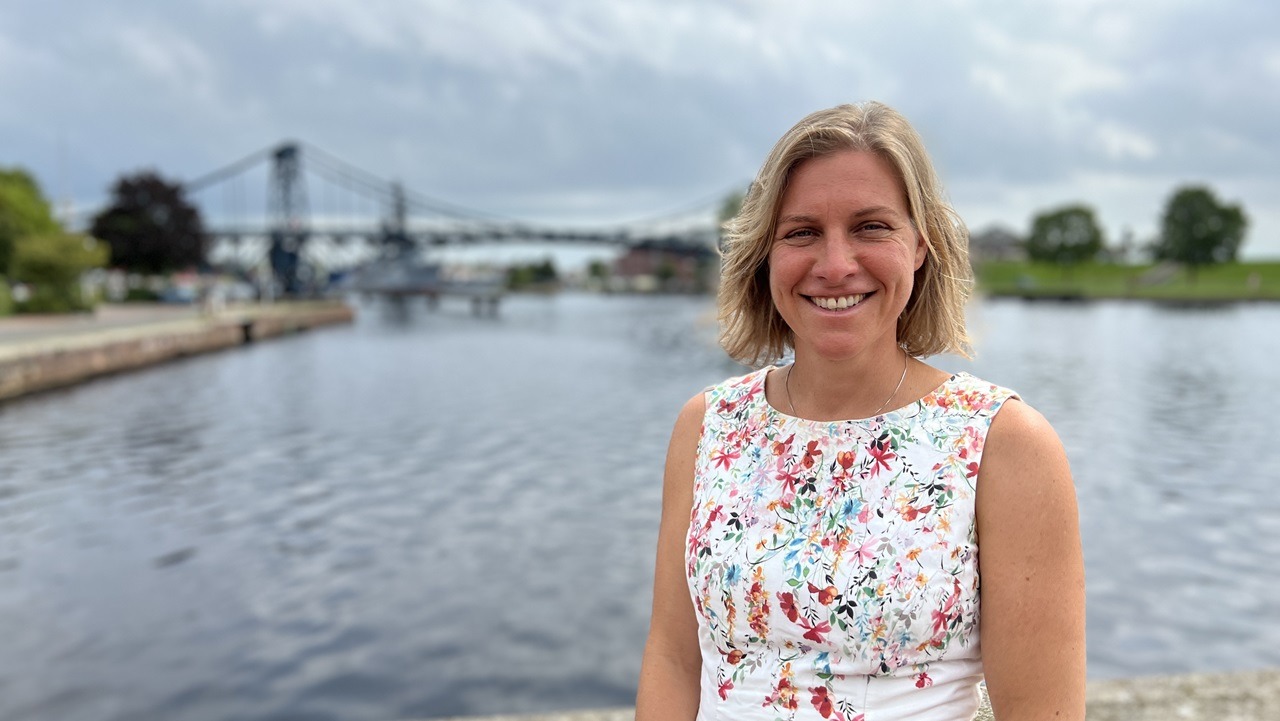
(598, 269)
(665, 272)
(545, 272)
(51, 265)
(23, 212)
(1197, 230)
(36, 253)
(150, 226)
(1065, 236)
(542, 274)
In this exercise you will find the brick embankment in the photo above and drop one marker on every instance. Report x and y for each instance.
(41, 354)
(1242, 696)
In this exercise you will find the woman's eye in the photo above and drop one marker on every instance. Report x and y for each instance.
(874, 229)
(799, 235)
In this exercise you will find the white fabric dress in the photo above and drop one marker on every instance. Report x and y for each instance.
(833, 565)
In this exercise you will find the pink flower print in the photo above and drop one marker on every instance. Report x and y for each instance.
(787, 603)
(784, 693)
(811, 454)
(942, 618)
(866, 552)
(845, 459)
(814, 632)
(923, 680)
(973, 439)
(724, 458)
(911, 513)
(825, 595)
(822, 702)
(758, 609)
(787, 477)
(882, 452)
(724, 690)
(939, 621)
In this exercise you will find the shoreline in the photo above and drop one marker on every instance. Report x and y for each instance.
(1233, 282)
(1072, 297)
(42, 353)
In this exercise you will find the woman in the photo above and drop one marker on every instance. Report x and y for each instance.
(818, 553)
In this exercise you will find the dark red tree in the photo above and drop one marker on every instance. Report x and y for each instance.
(150, 226)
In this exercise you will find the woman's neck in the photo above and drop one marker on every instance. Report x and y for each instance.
(873, 382)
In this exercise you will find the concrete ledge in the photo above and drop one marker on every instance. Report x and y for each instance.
(1242, 696)
(56, 361)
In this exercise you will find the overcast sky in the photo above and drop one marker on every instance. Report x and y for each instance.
(592, 111)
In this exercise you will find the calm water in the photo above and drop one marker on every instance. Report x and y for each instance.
(427, 514)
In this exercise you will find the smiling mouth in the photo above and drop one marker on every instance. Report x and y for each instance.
(837, 302)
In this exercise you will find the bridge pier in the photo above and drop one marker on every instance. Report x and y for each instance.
(484, 305)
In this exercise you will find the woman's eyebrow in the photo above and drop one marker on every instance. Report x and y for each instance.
(797, 218)
(872, 210)
(876, 210)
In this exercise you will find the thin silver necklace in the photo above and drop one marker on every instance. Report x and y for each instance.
(906, 363)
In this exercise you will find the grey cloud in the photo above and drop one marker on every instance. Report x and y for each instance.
(509, 105)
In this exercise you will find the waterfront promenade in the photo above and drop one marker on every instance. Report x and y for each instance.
(42, 352)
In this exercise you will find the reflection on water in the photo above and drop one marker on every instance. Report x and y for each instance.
(428, 514)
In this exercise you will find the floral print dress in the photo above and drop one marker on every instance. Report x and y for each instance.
(833, 565)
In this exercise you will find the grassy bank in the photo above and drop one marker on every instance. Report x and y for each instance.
(1229, 282)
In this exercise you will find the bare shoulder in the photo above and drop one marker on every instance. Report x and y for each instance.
(1025, 487)
(1022, 446)
(1032, 570)
(686, 434)
(691, 413)
(1018, 426)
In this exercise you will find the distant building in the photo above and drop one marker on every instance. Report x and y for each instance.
(665, 267)
(996, 243)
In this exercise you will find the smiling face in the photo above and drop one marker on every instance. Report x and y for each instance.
(844, 255)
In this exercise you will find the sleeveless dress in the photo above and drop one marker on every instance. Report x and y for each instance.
(833, 565)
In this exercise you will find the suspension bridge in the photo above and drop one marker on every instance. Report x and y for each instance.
(323, 215)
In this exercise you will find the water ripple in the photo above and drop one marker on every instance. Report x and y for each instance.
(428, 514)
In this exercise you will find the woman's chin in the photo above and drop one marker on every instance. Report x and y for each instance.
(832, 351)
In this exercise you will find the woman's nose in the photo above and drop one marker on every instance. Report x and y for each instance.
(836, 260)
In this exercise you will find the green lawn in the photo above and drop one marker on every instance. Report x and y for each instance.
(1233, 281)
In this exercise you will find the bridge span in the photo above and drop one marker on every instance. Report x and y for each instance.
(324, 215)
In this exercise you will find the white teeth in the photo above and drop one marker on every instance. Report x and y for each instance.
(840, 303)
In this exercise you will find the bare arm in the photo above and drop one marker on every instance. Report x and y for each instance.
(669, 674)
(1032, 571)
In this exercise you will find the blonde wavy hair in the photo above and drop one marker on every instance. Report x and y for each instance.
(752, 331)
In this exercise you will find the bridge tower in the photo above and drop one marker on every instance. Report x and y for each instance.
(287, 209)
(395, 231)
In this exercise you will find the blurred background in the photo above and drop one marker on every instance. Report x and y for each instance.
(449, 506)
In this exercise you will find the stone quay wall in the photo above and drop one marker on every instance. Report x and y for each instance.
(55, 361)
